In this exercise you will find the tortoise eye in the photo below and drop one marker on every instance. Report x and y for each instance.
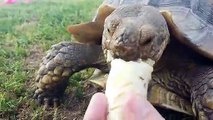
(113, 26)
(148, 41)
(108, 30)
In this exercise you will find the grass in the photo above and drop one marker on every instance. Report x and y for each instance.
(24, 26)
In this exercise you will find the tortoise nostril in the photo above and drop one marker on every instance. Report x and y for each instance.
(117, 47)
(118, 40)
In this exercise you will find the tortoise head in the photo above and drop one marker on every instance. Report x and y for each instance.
(135, 31)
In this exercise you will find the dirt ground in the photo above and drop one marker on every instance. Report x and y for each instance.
(72, 108)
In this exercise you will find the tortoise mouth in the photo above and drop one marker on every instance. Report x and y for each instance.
(125, 52)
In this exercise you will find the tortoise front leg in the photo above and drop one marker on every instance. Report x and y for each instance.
(60, 63)
(202, 92)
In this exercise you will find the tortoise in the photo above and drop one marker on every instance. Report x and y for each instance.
(176, 34)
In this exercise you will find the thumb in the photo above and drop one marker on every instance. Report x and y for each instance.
(97, 109)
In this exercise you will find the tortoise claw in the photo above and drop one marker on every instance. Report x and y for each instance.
(56, 102)
(48, 95)
(46, 100)
(39, 101)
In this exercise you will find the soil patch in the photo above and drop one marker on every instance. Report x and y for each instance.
(72, 107)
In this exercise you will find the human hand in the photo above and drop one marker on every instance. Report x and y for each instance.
(135, 108)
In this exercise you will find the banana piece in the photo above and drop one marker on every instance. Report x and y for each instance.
(124, 77)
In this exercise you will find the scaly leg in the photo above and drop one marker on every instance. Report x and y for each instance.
(202, 92)
(60, 63)
(160, 96)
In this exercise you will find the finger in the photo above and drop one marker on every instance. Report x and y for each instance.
(138, 108)
(97, 109)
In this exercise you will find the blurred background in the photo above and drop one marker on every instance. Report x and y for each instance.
(27, 31)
